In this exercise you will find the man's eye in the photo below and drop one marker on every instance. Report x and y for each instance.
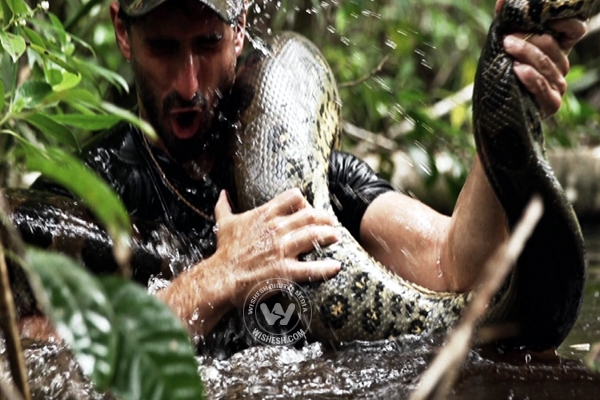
(209, 42)
(162, 46)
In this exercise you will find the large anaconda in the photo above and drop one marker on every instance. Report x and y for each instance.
(290, 123)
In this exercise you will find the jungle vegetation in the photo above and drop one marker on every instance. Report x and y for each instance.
(63, 81)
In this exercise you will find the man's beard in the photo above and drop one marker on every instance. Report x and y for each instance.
(181, 150)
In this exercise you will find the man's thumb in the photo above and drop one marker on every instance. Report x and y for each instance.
(222, 208)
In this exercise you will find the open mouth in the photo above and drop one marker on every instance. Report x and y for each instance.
(185, 124)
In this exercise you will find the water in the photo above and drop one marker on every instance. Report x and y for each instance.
(386, 369)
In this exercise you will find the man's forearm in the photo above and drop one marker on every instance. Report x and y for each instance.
(200, 296)
(476, 229)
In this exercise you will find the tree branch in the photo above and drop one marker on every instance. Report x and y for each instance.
(443, 371)
(364, 78)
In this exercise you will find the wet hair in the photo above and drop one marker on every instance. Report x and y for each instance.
(127, 19)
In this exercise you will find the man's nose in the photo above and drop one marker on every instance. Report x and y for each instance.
(187, 77)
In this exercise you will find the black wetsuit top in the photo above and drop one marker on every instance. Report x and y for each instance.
(122, 159)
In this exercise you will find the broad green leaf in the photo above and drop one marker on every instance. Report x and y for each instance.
(34, 37)
(7, 13)
(129, 117)
(76, 96)
(14, 45)
(62, 35)
(30, 94)
(53, 129)
(69, 171)
(18, 6)
(156, 358)
(67, 81)
(81, 311)
(96, 70)
(92, 122)
(52, 56)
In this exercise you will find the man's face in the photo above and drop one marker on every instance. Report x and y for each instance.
(183, 58)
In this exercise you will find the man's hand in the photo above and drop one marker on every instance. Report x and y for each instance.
(253, 246)
(541, 62)
(264, 243)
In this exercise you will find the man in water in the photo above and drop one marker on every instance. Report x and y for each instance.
(183, 54)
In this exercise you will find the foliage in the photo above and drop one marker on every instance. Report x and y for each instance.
(432, 48)
(59, 69)
(124, 339)
(51, 92)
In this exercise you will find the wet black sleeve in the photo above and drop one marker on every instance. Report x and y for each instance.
(353, 186)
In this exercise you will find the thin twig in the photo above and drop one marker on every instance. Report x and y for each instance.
(8, 316)
(8, 323)
(443, 371)
(362, 79)
(385, 141)
(8, 391)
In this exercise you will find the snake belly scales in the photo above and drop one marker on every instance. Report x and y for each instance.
(289, 124)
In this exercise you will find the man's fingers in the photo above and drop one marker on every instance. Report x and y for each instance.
(569, 32)
(304, 217)
(308, 238)
(547, 98)
(314, 271)
(540, 65)
(285, 203)
(539, 51)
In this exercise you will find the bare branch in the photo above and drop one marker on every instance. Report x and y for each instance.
(362, 79)
(8, 316)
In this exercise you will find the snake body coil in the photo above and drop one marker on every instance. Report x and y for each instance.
(290, 122)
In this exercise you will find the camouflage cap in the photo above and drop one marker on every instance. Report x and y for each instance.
(226, 9)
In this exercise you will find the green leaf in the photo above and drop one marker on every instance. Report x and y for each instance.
(129, 117)
(55, 58)
(70, 172)
(34, 37)
(156, 357)
(30, 94)
(76, 96)
(14, 45)
(63, 37)
(112, 77)
(92, 122)
(67, 81)
(1, 96)
(51, 128)
(7, 13)
(81, 311)
(18, 6)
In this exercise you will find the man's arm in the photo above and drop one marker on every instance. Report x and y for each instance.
(254, 246)
(447, 253)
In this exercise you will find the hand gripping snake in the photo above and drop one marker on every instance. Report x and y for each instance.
(290, 121)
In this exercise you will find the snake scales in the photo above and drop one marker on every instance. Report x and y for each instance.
(291, 121)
